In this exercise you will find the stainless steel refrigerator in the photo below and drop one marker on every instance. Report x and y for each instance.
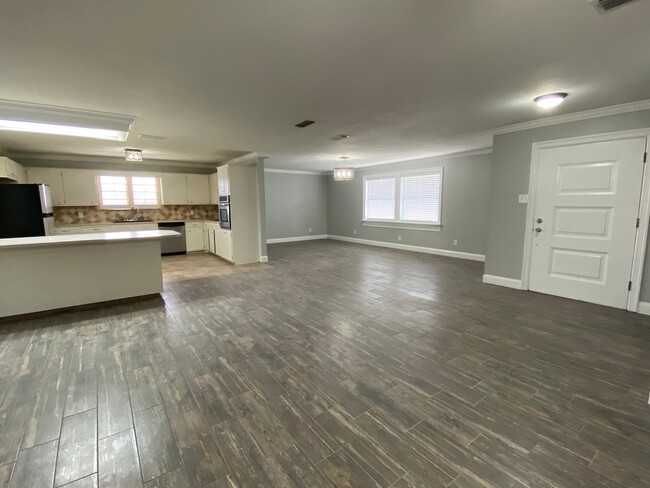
(25, 211)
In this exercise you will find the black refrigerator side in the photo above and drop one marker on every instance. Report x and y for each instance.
(21, 214)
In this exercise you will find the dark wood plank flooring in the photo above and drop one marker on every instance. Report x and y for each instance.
(336, 366)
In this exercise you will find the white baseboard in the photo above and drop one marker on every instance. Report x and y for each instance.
(264, 259)
(406, 247)
(644, 308)
(501, 281)
(296, 239)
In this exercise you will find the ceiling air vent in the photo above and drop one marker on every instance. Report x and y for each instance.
(605, 5)
(305, 123)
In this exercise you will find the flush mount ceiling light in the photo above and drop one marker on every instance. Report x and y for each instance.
(343, 173)
(62, 121)
(133, 154)
(551, 100)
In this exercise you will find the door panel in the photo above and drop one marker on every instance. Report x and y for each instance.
(587, 203)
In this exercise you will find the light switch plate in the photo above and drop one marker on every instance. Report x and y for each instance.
(523, 198)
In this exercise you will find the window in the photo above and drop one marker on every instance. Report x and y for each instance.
(408, 197)
(420, 198)
(379, 198)
(129, 191)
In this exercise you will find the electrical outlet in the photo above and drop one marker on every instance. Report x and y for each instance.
(399, 238)
(191, 212)
(81, 214)
(354, 231)
(455, 242)
(523, 198)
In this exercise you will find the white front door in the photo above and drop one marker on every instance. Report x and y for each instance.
(586, 209)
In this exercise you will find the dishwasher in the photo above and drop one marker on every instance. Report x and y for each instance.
(176, 244)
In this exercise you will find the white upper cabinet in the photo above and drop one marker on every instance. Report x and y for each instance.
(80, 188)
(224, 180)
(51, 177)
(174, 189)
(11, 170)
(214, 188)
(198, 189)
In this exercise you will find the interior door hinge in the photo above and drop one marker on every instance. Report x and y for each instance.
(645, 157)
(638, 222)
(629, 286)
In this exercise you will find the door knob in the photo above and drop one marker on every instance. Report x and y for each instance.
(539, 221)
(538, 229)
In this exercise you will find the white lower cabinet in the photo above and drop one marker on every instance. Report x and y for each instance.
(224, 244)
(194, 236)
(94, 229)
(62, 231)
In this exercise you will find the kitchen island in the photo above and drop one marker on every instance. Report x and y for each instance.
(52, 272)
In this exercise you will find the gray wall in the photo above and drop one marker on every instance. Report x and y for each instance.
(465, 199)
(294, 204)
(511, 170)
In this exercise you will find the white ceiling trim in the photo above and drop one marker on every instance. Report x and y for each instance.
(585, 115)
(440, 157)
(295, 172)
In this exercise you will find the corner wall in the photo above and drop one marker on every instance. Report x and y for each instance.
(465, 201)
(295, 203)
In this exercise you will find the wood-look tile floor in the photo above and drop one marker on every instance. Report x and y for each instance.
(339, 366)
(200, 265)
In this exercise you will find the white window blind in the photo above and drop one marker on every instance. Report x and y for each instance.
(420, 197)
(129, 191)
(114, 191)
(144, 190)
(380, 198)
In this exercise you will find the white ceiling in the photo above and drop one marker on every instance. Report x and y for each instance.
(404, 78)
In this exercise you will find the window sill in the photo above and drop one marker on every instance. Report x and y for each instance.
(387, 224)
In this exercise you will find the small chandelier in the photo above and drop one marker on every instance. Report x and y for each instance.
(343, 173)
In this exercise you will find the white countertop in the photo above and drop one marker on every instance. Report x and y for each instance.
(19, 242)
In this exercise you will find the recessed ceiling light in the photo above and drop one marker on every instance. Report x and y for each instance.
(339, 137)
(551, 100)
(133, 154)
(62, 121)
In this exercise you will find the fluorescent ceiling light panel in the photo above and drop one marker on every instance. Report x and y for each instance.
(46, 119)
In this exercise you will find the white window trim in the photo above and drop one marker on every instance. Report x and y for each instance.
(129, 192)
(398, 199)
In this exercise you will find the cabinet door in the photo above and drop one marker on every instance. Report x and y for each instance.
(224, 244)
(198, 189)
(174, 189)
(224, 180)
(212, 241)
(79, 188)
(194, 239)
(214, 188)
(51, 177)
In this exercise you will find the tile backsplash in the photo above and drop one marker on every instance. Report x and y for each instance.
(95, 215)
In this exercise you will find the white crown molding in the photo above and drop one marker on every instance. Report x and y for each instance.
(243, 159)
(574, 117)
(27, 159)
(295, 172)
(502, 281)
(296, 239)
(406, 247)
(433, 159)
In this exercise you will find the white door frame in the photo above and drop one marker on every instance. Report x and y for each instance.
(644, 211)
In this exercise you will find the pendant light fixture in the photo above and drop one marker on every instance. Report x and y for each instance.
(343, 173)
